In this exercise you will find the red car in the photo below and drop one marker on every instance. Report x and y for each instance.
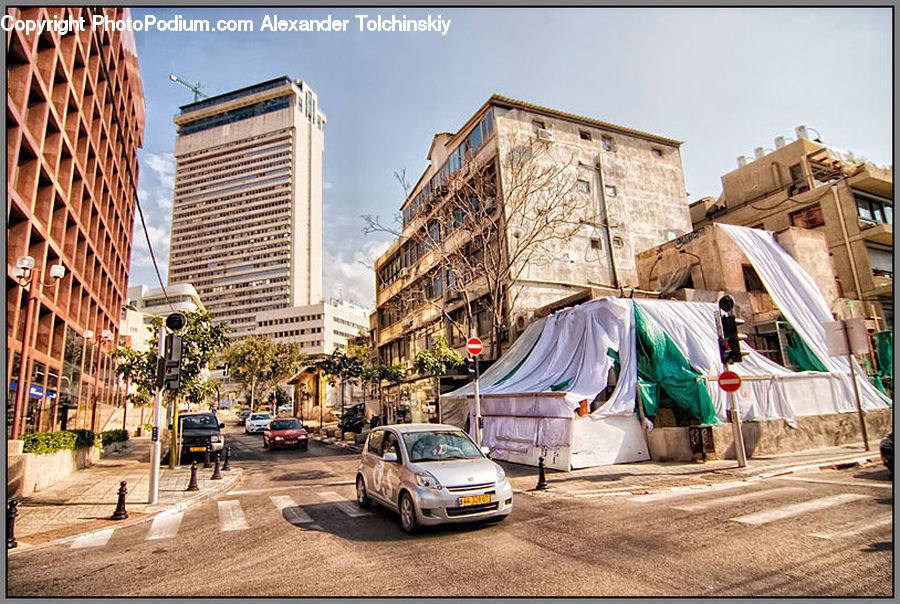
(285, 433)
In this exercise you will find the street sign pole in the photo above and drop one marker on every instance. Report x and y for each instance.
(474, 346)
(859, 409)
(739, 450)
(157, 411)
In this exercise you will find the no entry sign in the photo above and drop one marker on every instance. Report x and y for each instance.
(474, 346)
(729, 381)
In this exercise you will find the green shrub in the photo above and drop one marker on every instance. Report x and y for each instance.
(113, 436)
(43, 443)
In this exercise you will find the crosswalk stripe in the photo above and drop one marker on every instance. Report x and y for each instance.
(693, 507)
(292, 513)
(345, 505)
(788, 511)
(93, 539)
(683, 491)
(848, 483)
(165, 526)
(231, 516)
(854, 529)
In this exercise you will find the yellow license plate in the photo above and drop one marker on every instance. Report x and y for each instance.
(475, 500)
(198, 449)
(290, 442)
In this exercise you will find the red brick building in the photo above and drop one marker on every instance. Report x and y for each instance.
(75, 119)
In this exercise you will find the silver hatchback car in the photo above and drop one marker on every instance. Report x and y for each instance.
(431, 474)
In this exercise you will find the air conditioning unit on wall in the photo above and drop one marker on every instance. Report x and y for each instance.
(544, 134)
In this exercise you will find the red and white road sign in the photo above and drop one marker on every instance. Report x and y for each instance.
(729, 381)
(474, 346)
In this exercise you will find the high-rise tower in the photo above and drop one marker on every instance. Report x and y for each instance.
(247, 213)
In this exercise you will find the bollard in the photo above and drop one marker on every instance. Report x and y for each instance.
(227, 456)
(120, 513)
(216, 475)
(542, 480)
(206, 457)
(12, 510)
(192, 485)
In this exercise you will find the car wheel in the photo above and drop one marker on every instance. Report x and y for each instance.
(362, 497)
(408, 520)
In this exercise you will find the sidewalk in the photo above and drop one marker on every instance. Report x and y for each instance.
(653, 477)
(83, 502)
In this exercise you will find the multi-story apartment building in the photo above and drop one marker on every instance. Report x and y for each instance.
(247, 213)
(811, 185)
(74, 122)
(320, 328)
(567, 202)
(144, 304)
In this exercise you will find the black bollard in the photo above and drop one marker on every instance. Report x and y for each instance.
(120, 513)
(192, 485)
(216, 475)
(227, 456)
(12, 510)
(542, 480)
(206, 457)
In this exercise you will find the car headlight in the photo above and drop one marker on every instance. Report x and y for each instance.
(427, 480)
(214, 439)
(500, 473)
(278, 438)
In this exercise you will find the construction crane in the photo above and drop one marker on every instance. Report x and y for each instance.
(195, 88)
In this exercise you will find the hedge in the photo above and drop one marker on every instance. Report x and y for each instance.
(43, 443)
(113, 436)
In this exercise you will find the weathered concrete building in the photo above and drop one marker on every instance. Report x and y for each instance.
(810, 185)
(522, 206)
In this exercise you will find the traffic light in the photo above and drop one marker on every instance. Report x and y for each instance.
(470, 365)
(730, 339)
(172, 375)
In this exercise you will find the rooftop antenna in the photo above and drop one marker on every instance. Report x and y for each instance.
(195, 88)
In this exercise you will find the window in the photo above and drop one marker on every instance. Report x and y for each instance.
(596, 243)
(618, 241)
(375, 442)
(538, 124)
(583, 186)
(798, 181)
(656, 152)
(608, 143)
(609, 190)
(873, 210)
(881, 260)
(752, 281)
(808, 218)
(585, 135)
(390, 445)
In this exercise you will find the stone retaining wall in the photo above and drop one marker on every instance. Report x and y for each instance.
(28, 473)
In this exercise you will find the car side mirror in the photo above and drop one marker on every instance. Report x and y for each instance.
(486, 450)
(390, 457)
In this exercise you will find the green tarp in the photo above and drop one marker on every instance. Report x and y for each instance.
(662, 367)
(800, 355)
(884, 346)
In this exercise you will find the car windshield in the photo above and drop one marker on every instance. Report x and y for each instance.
(439, 446)
(199, 421)
(284, 424)
(258, 416)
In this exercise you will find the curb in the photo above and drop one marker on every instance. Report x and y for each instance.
(331, 441)
(183, 505)
(839, 464)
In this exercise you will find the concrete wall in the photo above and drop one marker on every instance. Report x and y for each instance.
(776, 436)
(28, 473)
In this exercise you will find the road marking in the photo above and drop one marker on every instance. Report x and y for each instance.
(682, 491)
(854, 529)
(292, 486)
(796, 509)
(289, 509)
(345, 505)
(93, 539)
(847, 483)
(165, 525)
(693, 507)
(231, 516)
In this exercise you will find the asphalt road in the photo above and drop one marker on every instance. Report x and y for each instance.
(292, 528)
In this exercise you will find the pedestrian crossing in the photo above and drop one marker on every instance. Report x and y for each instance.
(231, 517)
(775, 504)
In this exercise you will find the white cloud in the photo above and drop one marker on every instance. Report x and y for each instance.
(350, 275)
(163, 166)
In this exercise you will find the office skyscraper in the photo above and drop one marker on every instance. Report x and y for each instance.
(247, 213)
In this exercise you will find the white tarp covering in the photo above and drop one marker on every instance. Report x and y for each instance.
(795, 293)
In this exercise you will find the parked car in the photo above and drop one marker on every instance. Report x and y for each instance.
(256, 422)
(242, 416)
(431, 474)
(284, 433)
(887, 452)
(353, 419)
(199, 430)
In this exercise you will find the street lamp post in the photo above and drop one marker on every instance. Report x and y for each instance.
(27, 274)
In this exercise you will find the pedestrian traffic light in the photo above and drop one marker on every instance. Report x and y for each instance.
(172, 378)
(730, 338)
(470, 365)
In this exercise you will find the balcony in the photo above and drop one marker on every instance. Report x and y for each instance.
(877, 232)
(882, 286)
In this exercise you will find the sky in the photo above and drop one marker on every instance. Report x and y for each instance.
(722, 80)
